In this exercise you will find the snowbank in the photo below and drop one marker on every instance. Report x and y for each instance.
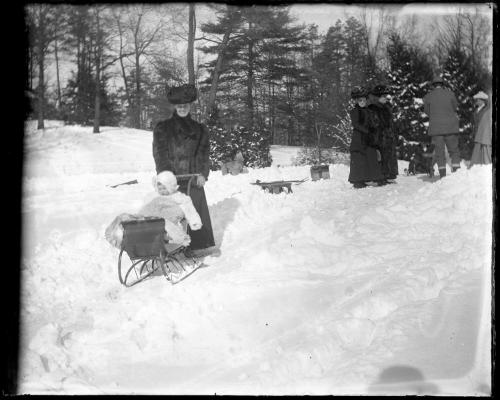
(328, 290)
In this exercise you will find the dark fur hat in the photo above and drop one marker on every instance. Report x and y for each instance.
(358, 91)
(181, 94)
(437, 81)
(380, 90)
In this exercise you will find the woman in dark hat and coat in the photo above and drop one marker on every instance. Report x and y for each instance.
(181, 145)
(386, 133)
(364, 165)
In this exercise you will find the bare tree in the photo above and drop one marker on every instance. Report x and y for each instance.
(42, 34)
(468, 29)
(479, 39)
(122, 54)
(374, 24)
(144, 28)
(106, 36)
(59, 26)
(190, 48)
(448, 33)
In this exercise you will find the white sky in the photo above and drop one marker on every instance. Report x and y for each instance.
(325, 15)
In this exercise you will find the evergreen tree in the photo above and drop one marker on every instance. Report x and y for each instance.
(256, 57)
(355, 73)
(339, 65)
(409, 75)
(78, 92)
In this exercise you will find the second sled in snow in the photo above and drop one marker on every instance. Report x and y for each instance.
(278, 186)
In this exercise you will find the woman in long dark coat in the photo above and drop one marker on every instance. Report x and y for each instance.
(181, 145)
(385, 132)
(364, 165)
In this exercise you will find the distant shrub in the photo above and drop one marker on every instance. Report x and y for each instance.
(254, 144)
(309, 156)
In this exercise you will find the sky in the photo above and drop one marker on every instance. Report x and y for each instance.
(325, 15)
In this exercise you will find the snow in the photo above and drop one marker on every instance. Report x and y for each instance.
(283, 155)
(327, 290)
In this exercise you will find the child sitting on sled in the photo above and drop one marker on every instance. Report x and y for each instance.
(167, 203)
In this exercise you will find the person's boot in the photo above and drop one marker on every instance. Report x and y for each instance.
(359, 185)
(442, 172)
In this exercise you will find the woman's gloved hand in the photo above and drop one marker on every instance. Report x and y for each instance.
(200, 181)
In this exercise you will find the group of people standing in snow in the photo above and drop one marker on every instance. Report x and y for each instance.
(373, 144)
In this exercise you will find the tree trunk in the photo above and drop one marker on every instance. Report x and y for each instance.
(58, 105)
(272, 115)
(190, 49)
(97, 100)
(125, 83)
(31, 67)
(74, 117)
(216, 74)
(318, 134)
(41, 81)
(124, 75)
(137, 111)
(97, 107)
(250, 81)
(40, 91)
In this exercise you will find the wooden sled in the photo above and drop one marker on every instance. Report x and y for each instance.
(278, 186)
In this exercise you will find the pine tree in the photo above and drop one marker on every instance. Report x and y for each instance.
(409, 75)
(339, 65)
(257, 80)
(261, 37)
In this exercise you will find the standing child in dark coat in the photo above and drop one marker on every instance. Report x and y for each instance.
(364, 166)
(385, 131)
(181, 145)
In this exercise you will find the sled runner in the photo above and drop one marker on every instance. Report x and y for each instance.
(145, 245)
(278, 186)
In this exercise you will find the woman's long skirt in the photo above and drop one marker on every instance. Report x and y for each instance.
(389, 163)
(481, 154)
(204, 237)
(364, 166)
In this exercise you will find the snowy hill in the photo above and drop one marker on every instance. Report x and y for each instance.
(328, 290)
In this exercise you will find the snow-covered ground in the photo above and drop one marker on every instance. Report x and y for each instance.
(328, 290)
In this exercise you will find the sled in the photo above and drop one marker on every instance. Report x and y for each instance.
(149, 252)
(278, 186)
